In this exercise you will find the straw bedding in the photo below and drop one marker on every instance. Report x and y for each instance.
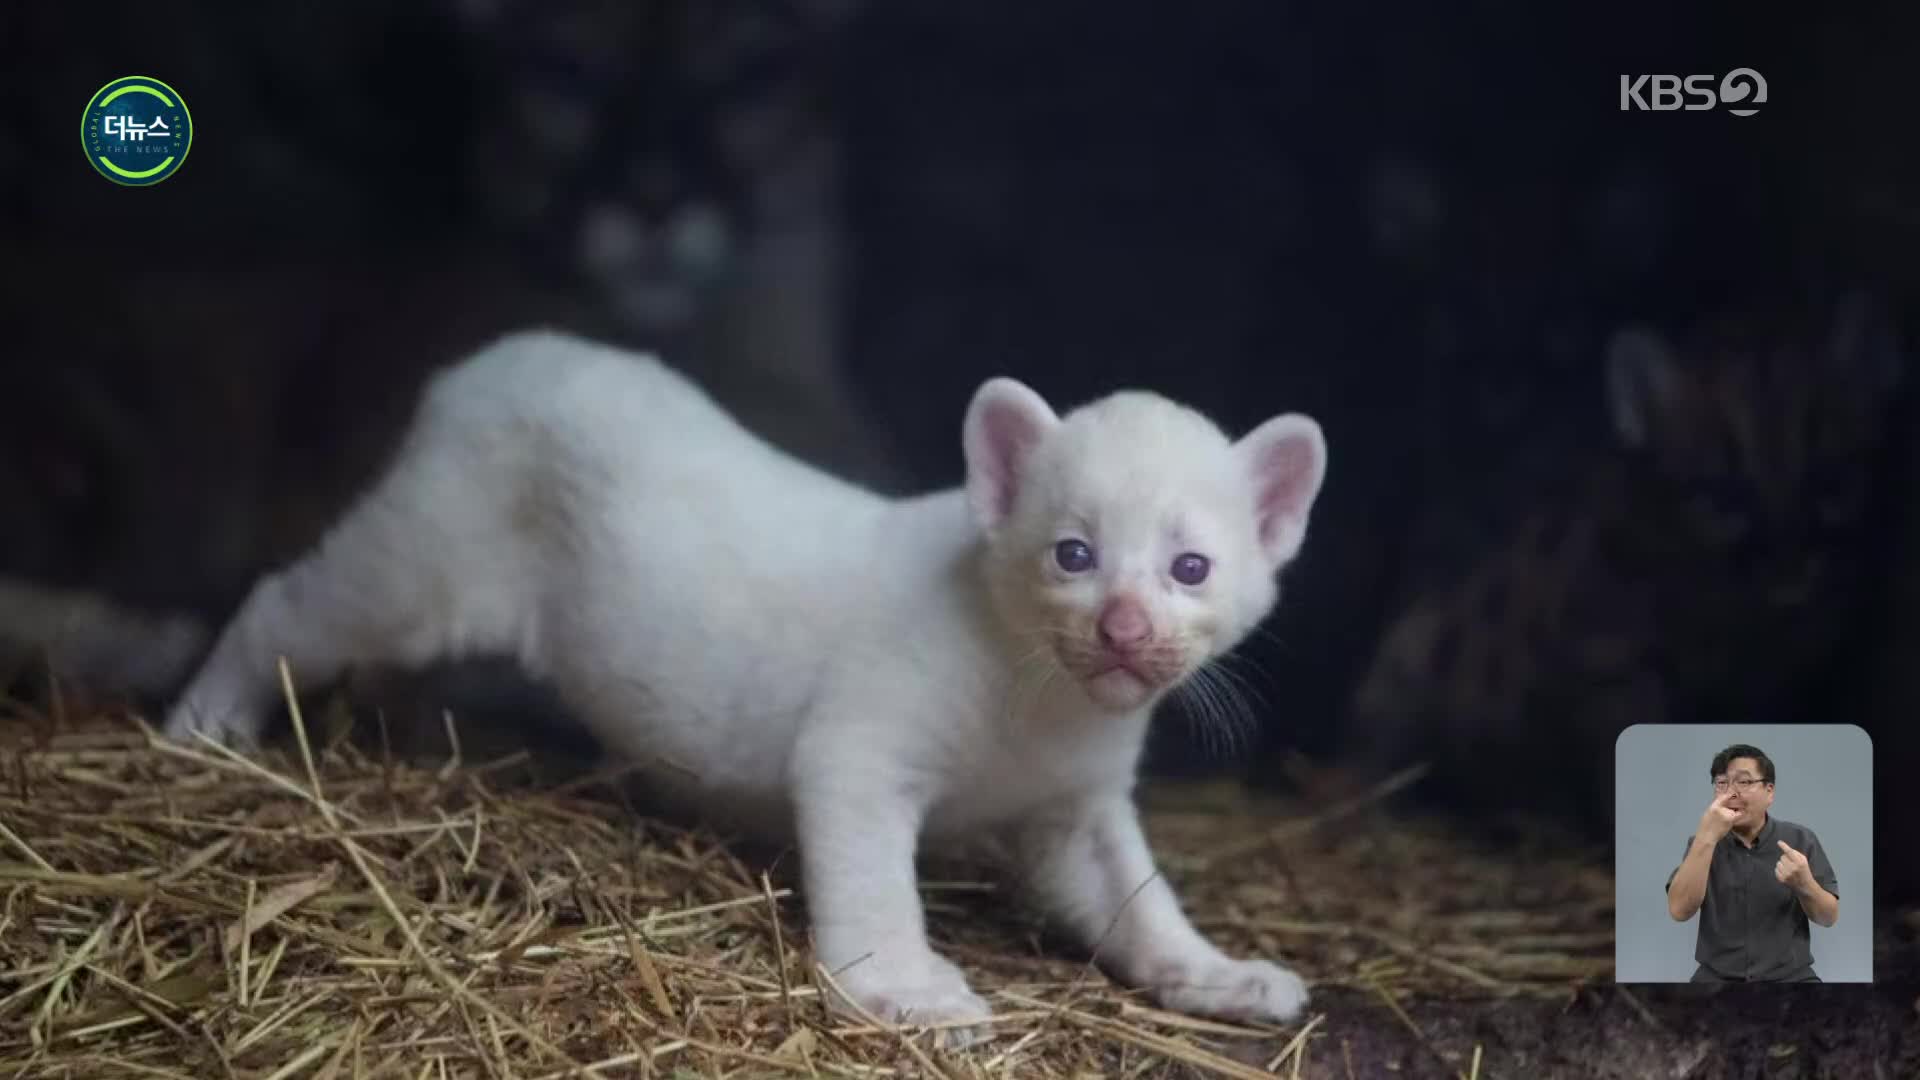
(328, 910)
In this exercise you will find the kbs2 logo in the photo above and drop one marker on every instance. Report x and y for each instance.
(1744, 87)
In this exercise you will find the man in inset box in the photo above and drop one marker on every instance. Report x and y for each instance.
(1755, 880)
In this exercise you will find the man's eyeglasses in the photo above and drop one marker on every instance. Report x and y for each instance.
(1744, 783)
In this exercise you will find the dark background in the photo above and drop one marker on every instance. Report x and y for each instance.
(1420, 223)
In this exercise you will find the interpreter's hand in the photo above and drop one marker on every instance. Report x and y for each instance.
(1718, 820)
(1792, 869)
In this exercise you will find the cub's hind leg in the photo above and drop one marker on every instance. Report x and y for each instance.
(394, 584)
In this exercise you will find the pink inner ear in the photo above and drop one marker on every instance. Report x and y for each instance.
(1008, 435)
(1285, 477)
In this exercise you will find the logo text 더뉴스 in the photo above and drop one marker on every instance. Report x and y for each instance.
(136, 131)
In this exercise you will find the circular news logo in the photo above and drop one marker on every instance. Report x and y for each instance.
(136, 131)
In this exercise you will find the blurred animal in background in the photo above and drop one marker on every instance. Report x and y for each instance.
(1708, 567)
(681, 160)
(662, 174)
(636, 144)
(1892, 676)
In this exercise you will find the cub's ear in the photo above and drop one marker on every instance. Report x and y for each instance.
(1005, 421)
(1285, 461)
(1644, 383)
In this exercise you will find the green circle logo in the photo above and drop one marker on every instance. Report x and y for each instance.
(136, 131)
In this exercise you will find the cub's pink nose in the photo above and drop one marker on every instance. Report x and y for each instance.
(1124, 623)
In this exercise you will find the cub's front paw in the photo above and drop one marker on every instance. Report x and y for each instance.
(919, 995)
(1230, 990)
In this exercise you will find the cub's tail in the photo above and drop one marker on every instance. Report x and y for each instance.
(90, 640)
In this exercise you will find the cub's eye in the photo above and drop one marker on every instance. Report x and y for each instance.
(1190, 569)
(1073, 556)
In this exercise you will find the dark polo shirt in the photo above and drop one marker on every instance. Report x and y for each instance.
(1751, 925)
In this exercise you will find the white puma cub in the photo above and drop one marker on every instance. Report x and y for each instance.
(856, 672)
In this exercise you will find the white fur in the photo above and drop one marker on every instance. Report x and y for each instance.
(855, 671)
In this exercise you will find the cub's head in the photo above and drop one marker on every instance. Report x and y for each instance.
(1131, 541)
